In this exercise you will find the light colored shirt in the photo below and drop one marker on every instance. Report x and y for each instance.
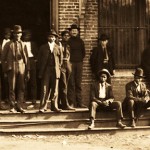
(4, 42)
(102, 90)
(138, 87)
(51, 46)
(28, 46)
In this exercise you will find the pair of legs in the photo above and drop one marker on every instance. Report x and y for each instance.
(135, 109)
(16, 80)
(74, 89)
(114, 105)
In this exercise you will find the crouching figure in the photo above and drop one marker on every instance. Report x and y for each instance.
(102, 97)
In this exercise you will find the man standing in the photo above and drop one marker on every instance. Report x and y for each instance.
(17, 67)
(65, 72)
(102, 97)
(102, 56)
(137, 96)
(50, 61)
(32, 54)
(77, 53)
(3, 75)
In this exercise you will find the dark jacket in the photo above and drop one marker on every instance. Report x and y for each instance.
(43, 58)
(95, 91)
(97, 58)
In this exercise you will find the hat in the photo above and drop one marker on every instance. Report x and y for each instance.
(139, 72)
(17, 29)
(64, 32)
(104, 71)
(52, 32)
(103, 37)
(73, 26)
(7, 30)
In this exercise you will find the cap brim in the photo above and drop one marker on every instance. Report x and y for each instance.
(138, 75)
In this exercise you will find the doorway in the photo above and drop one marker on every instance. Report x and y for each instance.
(30, 14)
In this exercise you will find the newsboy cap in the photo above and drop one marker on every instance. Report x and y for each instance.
(104, 71)
(53, 32)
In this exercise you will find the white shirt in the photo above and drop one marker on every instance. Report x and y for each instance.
(28, 45)
(138, 87)
(102, 91)
(51, 45)
(4, 42)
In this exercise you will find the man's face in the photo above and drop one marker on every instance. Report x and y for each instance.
(17, 36)
(51, 38)
(74, 32)
(104, 43)
(137, 79)
(65, 37)
(103, 77)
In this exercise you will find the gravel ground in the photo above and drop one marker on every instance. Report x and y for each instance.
(137, 140)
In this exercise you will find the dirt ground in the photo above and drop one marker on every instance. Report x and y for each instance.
(137, 140)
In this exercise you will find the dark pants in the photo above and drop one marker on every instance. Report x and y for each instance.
(63, 84)
(31, 91)
(136, 107)
(16, 80)
(48, 87)
(114, 105)
(74, 87)
(3, 85)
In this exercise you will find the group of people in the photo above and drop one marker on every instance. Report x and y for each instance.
(137, 97)
(57, 64)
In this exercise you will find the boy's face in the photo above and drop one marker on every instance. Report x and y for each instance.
(103, 77)
(66, 37)
(104, 43)
(74, 32)
(51, 38)
(7, 35)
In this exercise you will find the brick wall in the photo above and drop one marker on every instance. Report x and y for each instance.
(88, 22)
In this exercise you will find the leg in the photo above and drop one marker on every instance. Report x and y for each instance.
(119, 115)
(93, 108)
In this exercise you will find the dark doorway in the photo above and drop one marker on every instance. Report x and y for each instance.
(30, 14)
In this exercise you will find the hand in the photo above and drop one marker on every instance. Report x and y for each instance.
(105, 103)
(28, 76)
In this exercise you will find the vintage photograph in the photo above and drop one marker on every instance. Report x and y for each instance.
(75, 74)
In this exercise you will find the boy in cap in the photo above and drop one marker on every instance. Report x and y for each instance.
(102, 56)
(50, 61)
(17, 68)
(77, 54)
(32, 50)
(137, 96)
(65, 72)
(102, 97)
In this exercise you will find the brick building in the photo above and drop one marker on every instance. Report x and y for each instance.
(125, 21)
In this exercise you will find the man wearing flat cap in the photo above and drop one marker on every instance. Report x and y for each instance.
(102, 98)
(17, 69)
(50, 61)
(77, 54)
(102, 56)
(137, 97)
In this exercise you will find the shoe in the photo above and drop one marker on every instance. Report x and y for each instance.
(41, 110)
(92, 125)
(120, 125)
(13, 110)
(56, 109)
(21, 110)
(30, 106)
(81, 106)
(133, 124)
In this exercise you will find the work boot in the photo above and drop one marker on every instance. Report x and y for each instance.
(120, 125)
(92, 125)
(133, 124)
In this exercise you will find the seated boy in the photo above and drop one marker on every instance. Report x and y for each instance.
(102, 97)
